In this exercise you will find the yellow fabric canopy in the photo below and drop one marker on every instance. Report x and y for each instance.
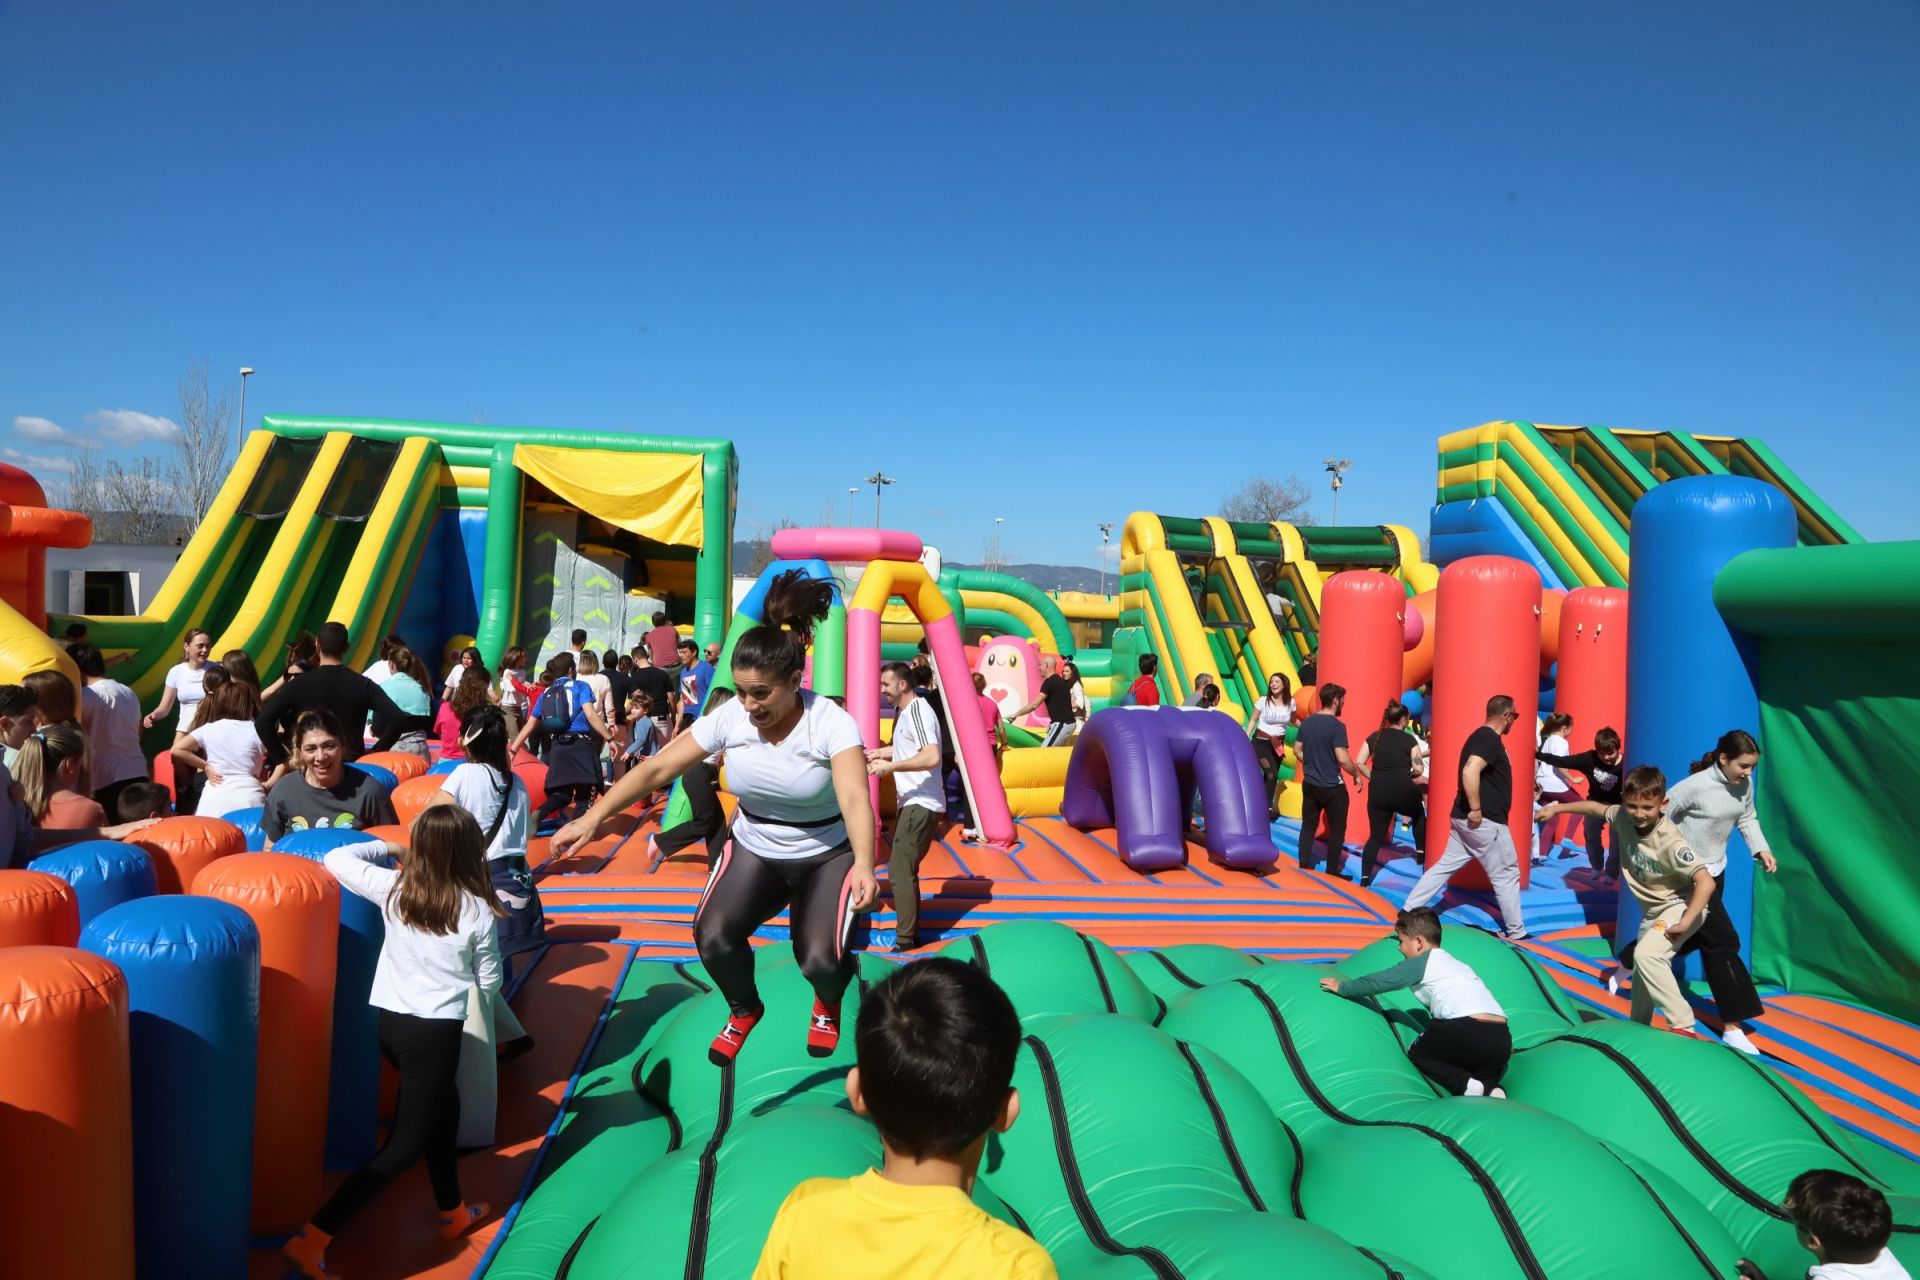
(656, 495)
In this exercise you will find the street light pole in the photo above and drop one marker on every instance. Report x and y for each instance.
(878, 480)
(240, 428)
(853, 491)
(1337, 468)
(1106, 536)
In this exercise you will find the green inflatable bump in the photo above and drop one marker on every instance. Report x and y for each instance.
(1047, 968)
(1732, 1132)
(1171, 972)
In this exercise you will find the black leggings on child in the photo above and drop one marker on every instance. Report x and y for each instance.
(1455, 1050)
(578, 799)
(426, 1119)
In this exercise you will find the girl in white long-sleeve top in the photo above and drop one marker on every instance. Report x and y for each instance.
(439, 910)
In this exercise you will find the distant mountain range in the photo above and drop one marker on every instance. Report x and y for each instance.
(1047, 577)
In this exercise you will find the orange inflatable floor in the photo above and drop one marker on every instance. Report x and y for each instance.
(605, 912)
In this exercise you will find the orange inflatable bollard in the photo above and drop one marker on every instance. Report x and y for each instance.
(1416, 664)
(296, 906)
(66, 1116)
(37, 910)
(533, 775)
(1552, 600)
(396, 834)
(415, 794)
(163, 774)
(403, 765)
(182, 847)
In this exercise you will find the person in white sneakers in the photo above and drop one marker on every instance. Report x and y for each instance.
(1478, 827)
(920, 802)
(1467, 1045)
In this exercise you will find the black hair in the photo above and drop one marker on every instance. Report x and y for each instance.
(1395, 715)
(1643, 780)
(89, 659)
(332, 639)
(1499, 705)
(1606, 739)
(483, 732)
(579, 637)
(899, 670)
(688, 642)
(1149, 664)
(139, 800)
(936, 1044)
(1331, 693)
(559, 667)
(1733, 744)
(1421, 922)
(15, 700)
(76, 631)
(777, 647)
(1852, 1220)
(659, 618)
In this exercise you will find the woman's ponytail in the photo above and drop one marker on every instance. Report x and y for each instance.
(795, 603)
(1733, 744)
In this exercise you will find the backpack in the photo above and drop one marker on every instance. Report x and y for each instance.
(556, 715)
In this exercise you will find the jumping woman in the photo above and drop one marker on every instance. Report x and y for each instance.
(1396, 756)
(1271, 716)
(439, 911)
(804, 834)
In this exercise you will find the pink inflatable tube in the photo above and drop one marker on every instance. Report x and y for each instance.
(839, 546)
(909, 581)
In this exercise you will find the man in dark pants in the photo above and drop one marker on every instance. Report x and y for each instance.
(1322, 749)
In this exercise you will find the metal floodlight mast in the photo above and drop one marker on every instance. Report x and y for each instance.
(879, 480)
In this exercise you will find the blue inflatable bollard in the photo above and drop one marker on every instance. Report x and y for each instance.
(103, 873)
(446, 766)
(385, 777)
(193, 982)
(353, 1089)
(249, 820)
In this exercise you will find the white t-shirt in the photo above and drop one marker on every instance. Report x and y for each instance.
(1275, 715)
(1884, 1267)
(186, 684)
(1553, 744)
(602, 694)
(110, 715)
(476, 788)
(379, 672)
(780, 785)
(426, 975)
(914, 728)
(510, 697)
(232, 749)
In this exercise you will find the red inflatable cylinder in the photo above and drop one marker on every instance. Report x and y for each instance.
(296, 906)
(1488, 643)
(37, 910)
(1363, 638)
(182, 847)
(1416, 665)
(1592, 686)
(66, 1116)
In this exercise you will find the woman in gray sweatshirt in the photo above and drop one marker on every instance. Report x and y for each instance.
(1707, 806)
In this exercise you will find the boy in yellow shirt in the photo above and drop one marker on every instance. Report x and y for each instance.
(1659, 865)
(936, 1044)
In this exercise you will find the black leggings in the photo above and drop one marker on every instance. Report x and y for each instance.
(426, 1119)
(1380, 826)
(743, 893)
(1718, 942)
(579, 799)
(1453, 1051)
(702, 786)
(1269, 759)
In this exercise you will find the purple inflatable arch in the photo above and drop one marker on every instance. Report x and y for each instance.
(1136, 769)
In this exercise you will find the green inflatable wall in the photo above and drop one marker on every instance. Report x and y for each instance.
(1197, 1112)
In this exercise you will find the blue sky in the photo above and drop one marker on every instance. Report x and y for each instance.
(1052, 262)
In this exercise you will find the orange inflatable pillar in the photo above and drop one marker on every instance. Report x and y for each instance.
(1488, 642)
(37, 910)
(1552, 601)
(183, 847)
(1363, 639)
(412, 797)
(1593, 662)
(296, 906)
(403, 765)
(66, 1116)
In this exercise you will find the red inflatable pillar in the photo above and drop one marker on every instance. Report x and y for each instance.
(1593, 662)
(1488, 642)
(1363, 640)
(296, 906)
(66, 1116)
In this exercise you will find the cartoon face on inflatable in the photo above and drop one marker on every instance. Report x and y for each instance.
(1012, 669)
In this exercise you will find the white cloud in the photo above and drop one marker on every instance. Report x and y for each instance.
(131, 427)
(42, 430)
(36, 462)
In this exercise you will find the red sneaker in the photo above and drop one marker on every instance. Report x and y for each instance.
(823, 1032)
(726, 1045)
(1688, 1032)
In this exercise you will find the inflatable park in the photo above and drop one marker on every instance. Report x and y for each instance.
(188, 1061)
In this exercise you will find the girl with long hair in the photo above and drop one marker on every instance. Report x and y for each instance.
(486, 788)
(303, 655)
(239, 666)
(1271, 716)
(440, 913)
(224, 746)
(1551, 784)
(54, 695)
(52, 773)
(450, 720)
(514, 689)
(409, 689)
(803, 837)
(1393, 790)
(465, 660)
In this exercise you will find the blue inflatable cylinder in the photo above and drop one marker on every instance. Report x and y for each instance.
(193, 982)
(446, 766)
(248, 820)
(385, 777)
(1689, 675)
(353, 1090)
(103, 873)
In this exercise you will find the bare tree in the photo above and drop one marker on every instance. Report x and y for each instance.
(1266, 500)
(205, 444)
(761, 545)
(137, 504)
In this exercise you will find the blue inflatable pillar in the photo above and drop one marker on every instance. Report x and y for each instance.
(248, 820)
(193, 982)
(103, 873)
(353, 1091)
(1689, 675)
